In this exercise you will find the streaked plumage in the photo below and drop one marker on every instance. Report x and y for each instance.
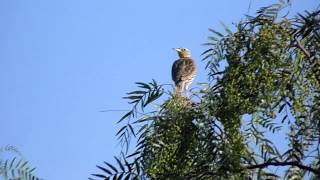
(183, 70)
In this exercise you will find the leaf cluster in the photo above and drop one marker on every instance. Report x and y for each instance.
(17, 169)
(263, 80)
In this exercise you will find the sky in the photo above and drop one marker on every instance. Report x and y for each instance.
(62, 62)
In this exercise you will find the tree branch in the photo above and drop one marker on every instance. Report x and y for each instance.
(292, 163)
(217, 73)
(298, 45)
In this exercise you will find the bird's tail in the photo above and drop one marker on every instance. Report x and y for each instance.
(179, 89)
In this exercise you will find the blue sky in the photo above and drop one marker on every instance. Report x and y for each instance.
(64, 61)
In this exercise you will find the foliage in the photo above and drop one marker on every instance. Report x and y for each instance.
(15, 168)
(264, 80)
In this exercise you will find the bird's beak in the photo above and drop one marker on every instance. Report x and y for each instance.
(176, 49)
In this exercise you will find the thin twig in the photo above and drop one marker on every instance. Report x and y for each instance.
(298, 45)
(292, 163)
(115, 110)
(217, 73)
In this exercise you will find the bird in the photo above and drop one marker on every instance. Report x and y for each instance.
(183, 70)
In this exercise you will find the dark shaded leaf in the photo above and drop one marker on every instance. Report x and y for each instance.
(99, 175)
(105, 170)
(120, 164)
(112, 167)
(127, 177)
(120, 176)
(125, 116)
(216, 32)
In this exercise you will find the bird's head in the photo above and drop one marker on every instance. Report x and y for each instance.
(183, 52)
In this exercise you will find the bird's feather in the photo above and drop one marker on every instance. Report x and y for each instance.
(183, 70)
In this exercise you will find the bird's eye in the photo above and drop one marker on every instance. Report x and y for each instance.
(183, 49)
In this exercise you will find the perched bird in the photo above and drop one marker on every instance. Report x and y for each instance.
(183, 70)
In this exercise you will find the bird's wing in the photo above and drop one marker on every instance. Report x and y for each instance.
(182, 69)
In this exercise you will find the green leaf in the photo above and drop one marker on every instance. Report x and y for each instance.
(137, 92)
(18, 164)
(99, 175)
(115, 177)
(133, 154)
(11, 164)
(120, 177)
(206, 51)
(143, 85)
(31, 170)
(206, 57)
(24, 164)
(127, 163)
(281, 108)
(120, 164)
(125, 116)
(112, 167)
(153, 97)
(133, 97)
(123, 128)
(137, 167)
(131, 129)
(284, 118)
(105, 170)
(127, 177)
(226, 28)
(209, 44)
(216, 32)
